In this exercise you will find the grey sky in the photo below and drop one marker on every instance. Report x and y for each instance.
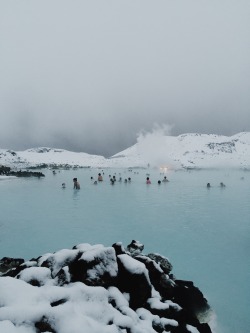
(89, 75)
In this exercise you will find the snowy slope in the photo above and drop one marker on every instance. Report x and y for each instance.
(183, 151)
(50, 156)
(191, 151)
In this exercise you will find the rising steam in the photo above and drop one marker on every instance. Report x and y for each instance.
(153, 146)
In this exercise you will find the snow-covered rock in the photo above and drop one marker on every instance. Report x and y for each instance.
(96, 289)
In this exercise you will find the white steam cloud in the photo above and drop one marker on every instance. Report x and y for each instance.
(153, 146)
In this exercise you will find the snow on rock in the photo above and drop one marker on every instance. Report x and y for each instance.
(99, 265)
(132, 266)
(190, 150)
(57, 260)
(37, 276)
(97, 289)
(135, 247)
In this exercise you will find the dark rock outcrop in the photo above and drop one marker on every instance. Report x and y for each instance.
(7, 264)
(6, 171)
(21, 173)
(133, 281)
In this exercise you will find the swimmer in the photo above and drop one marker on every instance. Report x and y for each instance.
(208, 185)
(63, 185)
(148, 181)
(165, 179)
(95, 182)
(159, 182)
(222, 185)
(100, 179)
(76, 184)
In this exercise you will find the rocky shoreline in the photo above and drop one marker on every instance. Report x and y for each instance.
(139, 292)
(7, 171)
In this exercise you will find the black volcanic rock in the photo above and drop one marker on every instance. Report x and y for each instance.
(21, 173)
(133, 281)
(7, 264)
(191, 298)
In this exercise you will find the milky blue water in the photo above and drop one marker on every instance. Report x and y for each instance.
(204, 232)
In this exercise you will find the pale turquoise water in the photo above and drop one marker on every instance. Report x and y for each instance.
(204, 232)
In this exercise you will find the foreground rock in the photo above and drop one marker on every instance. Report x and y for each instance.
(99, 289)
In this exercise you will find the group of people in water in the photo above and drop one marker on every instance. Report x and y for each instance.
(221, 185)
(112, 179)
(76, 184)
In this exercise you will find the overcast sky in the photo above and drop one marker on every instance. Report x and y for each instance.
(90, 75)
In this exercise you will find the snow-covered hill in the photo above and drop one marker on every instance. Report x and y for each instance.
(157, 150)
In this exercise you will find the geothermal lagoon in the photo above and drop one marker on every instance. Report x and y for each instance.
(204, 232)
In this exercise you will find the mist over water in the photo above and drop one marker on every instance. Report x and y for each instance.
(204, 232)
